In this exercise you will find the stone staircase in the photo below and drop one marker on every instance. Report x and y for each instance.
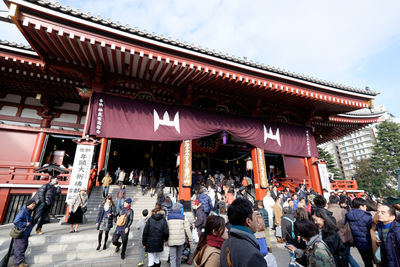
(58, 247)
(139, 202)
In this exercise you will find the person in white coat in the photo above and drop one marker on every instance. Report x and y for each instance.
(269, 203)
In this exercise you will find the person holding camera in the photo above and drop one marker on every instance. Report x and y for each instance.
(44, 198)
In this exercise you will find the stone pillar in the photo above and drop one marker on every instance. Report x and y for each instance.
(185, 172)
(260, 173)
(314, 175)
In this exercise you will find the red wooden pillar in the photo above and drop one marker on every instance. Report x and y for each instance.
(37, 150)
(260, 173)
(4, 196)
(102, 157)
(185, 170)
(314, 175)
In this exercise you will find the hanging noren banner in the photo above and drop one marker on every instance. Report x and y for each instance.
(124, 118)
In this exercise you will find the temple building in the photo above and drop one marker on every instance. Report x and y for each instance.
(117, 96)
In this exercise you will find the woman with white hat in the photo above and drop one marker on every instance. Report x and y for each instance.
(77, 208)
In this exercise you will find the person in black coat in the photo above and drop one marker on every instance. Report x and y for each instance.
(143, 181)
(104, 221)
(44, 198)
(200, 217)
(155, 233)
(331, 237)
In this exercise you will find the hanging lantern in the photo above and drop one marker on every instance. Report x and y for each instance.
(249, 163)
(223, 137)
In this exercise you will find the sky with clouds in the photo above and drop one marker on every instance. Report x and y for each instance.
(356, 43)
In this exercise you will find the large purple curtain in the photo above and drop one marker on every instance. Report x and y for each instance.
(118, 117)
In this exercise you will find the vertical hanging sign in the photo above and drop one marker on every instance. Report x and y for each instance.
(324, 176)
(186, 155)
(80, 170)
(261, 169)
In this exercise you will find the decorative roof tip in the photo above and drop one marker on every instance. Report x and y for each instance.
(242, 60)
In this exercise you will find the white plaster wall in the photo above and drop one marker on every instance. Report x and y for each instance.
(71, 118)
(30, 113)
(9, 111)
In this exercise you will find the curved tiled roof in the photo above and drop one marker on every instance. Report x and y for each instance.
(168, 40)
(14, 44)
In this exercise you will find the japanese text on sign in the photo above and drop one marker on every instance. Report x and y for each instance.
(80, 171)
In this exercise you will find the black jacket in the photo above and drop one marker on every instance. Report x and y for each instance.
(155, 233)
(46, 194)
(144, 180)
(200, 218)
(288, 227)
(243, 250)
(100, 216)
(337, 248)
(129, 217)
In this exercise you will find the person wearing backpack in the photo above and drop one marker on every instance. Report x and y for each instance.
(123, 222)
(287, 222)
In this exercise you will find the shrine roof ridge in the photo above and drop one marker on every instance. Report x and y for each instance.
(16, 45)
(177, 43)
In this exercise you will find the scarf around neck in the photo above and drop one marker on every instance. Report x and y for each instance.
(242, 228)
(107, 206)
(214, 241)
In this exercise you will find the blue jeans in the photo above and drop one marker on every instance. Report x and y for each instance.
(106, 189)
(352, 261)
(120, 204)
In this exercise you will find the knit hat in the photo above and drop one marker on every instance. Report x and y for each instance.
(176, 207)
(29, 201)
(83, 188)
(128, 200)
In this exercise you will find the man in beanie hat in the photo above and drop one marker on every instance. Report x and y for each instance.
(123, 220)
(23, 220)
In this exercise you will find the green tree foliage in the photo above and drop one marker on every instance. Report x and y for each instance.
(377, 174)
(330, 163)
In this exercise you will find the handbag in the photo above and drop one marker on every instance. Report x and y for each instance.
(15, 232)
(84, 209)
(165, 253)
(271, 260)
(345, 234)
(195, 235)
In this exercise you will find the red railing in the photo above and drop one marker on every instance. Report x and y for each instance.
(347, 185)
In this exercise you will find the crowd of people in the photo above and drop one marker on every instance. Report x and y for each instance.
(231, 228)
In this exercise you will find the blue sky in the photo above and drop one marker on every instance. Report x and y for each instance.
(356, 43)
